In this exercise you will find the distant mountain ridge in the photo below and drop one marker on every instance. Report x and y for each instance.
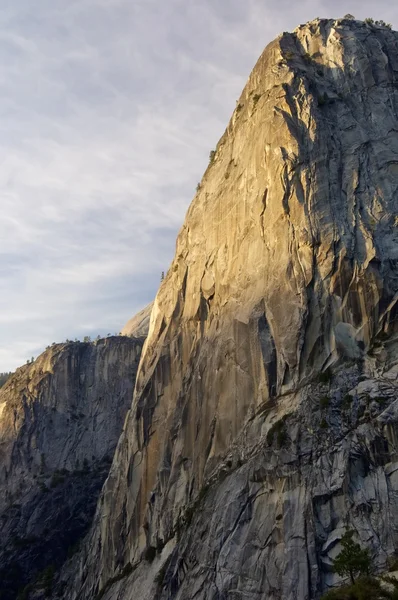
(138, 326)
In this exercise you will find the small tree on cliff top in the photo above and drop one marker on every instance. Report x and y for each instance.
(352, 560)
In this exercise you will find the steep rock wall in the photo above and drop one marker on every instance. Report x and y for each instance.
(60, 419)
(285, 266)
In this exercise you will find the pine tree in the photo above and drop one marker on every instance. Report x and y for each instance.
(352, 560)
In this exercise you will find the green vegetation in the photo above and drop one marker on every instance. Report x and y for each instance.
(381, 401)
(212, 156)
(24, 542)
(346, 402)
(322, 99)
(392, 563)
(363, 411)
(355, 562)
(57, 479)
(44, 581)
(380, 23)
(324, 402)
(4, 377)
(278, 430)
(365, 588)
(352, 560)
(73, 549)
(325, 376)
(24, 594)
(185, 519)
(383, 336)
(150, 554)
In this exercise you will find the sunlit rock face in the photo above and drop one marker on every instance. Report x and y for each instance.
(60, 419)
(138, 325)
(239, 465)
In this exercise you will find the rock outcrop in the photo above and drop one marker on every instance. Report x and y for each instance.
(138, 325)
(264, 417)
(60, 420)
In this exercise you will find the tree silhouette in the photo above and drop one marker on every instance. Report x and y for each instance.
(3, 377)
(352, 560)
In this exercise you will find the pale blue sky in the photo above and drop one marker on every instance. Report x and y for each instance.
(108, 111)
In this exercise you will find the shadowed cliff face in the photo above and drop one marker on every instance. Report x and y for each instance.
(60, 419)
(285, 266)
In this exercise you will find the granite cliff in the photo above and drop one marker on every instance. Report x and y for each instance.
(265, 411)
(60, 419)
(138, 325)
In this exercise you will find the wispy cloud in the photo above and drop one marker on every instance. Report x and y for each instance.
(108, 111)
